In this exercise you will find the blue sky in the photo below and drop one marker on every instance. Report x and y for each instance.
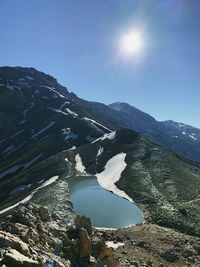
(78, 42)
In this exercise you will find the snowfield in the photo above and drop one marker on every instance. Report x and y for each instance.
(112, 173)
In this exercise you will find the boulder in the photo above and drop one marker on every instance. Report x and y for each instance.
(33, 234)
(187, 253)
(96, 263)
(9, 240)
(83, 222)
(13, 258)
(44, 213)
(103, 253)
(170, 255)
(84, 244)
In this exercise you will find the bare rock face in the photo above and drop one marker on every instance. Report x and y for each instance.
(13, 258)
(27, 240)
(84, 244)
(106, 257)
(83, 222)
(9, 240)
(30, 238)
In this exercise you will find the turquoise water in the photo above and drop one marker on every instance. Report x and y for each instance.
(104, 208)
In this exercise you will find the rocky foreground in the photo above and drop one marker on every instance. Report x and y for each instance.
(29, 237)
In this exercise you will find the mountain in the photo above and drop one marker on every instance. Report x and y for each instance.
(48, 134)
(164, 185)
(178, 137)
(37, 120)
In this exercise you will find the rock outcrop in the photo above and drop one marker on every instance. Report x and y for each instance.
(31, 238)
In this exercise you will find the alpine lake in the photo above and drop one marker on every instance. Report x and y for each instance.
(104, 208)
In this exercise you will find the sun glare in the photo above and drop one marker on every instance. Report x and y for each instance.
(131, 43)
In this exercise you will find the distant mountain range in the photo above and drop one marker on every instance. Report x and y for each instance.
(46, 131)
(178, 137)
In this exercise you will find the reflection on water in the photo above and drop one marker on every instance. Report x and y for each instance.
(104, 208)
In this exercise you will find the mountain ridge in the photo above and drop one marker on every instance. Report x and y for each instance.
(46, 132)
(44, 128)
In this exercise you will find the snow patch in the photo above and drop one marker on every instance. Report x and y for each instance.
(10, 87)
(62, 106)
(53, 90)
(71, 112)
(100, 151)
(113, 245)
(19, 188)
(90, 139)
(8, 149)
(54, 96)
(194, 138)
(69, 134)
(11, 170)
(96, 124)
(110, 136)
(32, 161)
(79, 165)
(22, 122)
(29, 78)
(44, 129)
(17, 133)
(27, 110)
(13, 150)
(112, 173)
(57, 110)
(5, 139)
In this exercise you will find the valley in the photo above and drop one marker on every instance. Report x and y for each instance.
(49, 138)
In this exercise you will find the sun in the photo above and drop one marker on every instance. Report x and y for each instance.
(131, 43)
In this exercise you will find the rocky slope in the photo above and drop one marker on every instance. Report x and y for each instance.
(30, 238)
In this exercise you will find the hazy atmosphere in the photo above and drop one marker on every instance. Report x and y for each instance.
(85, 45)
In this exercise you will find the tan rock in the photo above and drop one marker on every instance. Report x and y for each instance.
(106, 257)
(33, 234)
(20, 229)
(44, 213)
(105, 252)
(13, 258)
(9, 240)
(83, 222)
(110, 261)
(84, 244)
(96, 263)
